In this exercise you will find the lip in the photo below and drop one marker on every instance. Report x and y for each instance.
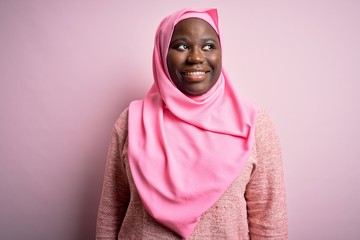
(194, 75)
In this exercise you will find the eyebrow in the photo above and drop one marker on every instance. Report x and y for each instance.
(211, 40)
(185, 39)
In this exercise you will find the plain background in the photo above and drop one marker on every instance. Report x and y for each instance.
(69, 68)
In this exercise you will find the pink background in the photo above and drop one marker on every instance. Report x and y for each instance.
(68, 69)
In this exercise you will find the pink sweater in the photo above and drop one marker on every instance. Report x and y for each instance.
(254, 206)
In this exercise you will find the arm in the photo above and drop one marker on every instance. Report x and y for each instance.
(115, 194)
(265, 192)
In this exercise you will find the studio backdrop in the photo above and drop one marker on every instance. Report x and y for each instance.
(69, 68)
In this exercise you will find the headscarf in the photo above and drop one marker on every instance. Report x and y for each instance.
(184, 152)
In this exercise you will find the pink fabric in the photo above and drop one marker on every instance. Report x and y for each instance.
(184, 152)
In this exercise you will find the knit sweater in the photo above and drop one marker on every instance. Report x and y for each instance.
(253, 207)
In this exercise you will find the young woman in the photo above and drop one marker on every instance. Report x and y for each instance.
(193, 159)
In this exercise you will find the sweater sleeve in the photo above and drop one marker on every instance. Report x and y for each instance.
(265, 192)
(115, 193)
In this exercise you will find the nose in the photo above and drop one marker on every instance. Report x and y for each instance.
(195, 56)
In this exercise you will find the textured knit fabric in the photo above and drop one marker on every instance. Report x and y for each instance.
(253, 207)
(181, 138)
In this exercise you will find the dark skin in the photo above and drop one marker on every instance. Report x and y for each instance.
(194, 57)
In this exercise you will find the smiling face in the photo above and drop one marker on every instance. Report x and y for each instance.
(194, 56)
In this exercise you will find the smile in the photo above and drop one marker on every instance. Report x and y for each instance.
(194, 76)
(197, 73)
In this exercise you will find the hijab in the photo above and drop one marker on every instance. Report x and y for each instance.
(184, 152)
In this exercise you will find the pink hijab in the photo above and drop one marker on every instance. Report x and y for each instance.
(184, 152)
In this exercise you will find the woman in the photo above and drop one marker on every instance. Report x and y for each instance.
(193, 159)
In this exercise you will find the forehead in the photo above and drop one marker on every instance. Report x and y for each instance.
(194, 27)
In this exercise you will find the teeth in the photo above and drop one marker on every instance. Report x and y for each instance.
(197, 73)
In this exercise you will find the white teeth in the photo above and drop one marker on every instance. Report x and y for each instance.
(197, 73)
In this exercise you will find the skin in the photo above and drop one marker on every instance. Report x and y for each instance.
(194, 57)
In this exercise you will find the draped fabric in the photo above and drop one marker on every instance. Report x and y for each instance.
(184, 152)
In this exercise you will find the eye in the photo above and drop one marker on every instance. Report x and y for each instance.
(182, 47)
(208, 47)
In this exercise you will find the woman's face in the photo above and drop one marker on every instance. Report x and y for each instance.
(194, 56)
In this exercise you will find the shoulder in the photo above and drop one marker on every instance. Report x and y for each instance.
(263, 124)
(121, 124)
(262, 117)
(267, 141)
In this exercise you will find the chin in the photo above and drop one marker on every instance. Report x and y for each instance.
(196, 92)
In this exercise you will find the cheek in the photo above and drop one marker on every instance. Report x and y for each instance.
(174, 60)
(173, 65)
(169, 62)
(216, 63)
